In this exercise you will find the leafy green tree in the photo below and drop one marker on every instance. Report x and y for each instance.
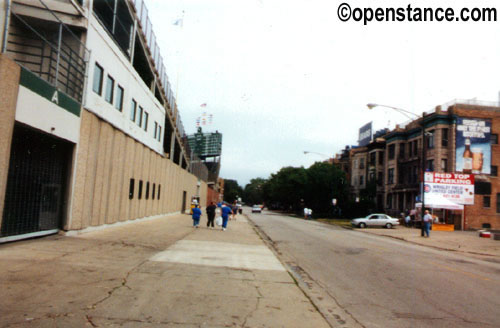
(232, 190)
(253, 192)
(286, 188)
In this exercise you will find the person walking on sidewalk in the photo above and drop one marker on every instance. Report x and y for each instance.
(427, 223)
(210, 215)
(235, 211)
(196, 216)
(226, 211)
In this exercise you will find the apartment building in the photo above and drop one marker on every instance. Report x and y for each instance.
(91, 133)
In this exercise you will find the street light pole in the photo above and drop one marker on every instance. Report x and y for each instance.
(313, 152)
(423, 155)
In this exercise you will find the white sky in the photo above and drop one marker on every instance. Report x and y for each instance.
(284, 76)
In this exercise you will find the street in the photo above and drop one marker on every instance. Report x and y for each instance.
(382, 282)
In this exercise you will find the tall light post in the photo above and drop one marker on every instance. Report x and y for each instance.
(313, 152)
(423, 154)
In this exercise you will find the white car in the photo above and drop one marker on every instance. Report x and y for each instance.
(375, 220)
(257, 209)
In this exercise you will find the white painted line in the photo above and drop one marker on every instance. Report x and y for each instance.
(220, 254)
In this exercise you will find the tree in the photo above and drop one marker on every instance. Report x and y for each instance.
(286, 188)
(232, 190)
(253, 192)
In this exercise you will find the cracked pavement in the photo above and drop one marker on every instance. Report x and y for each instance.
(106, 278)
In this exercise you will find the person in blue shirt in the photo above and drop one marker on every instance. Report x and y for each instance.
(226, 211)
(196, 216)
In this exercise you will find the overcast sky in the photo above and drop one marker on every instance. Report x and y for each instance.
(284, 77)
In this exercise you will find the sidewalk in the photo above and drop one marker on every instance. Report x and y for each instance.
(158, 273)
(467, 242)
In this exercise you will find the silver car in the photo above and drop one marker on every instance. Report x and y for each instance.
(375, 220)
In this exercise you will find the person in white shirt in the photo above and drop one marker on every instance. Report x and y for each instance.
(427, 223)
(306, 213)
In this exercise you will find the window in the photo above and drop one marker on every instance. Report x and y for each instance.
(415, 148)
(392, 149)
(141, 114)
(131, 189)
(390, 176)
(361, 180)
(444, 165)
(494, 139)
(430, 165)
(133, 110)
(494, 171)
(380, 178)
(159, 189)
(98, 74)
(486, 201)
(139, 195)
(389, 201)
(401, 150)
(159, 132)
(147, 190)
(146, 116)
(381, 158)
(119, 98)
(444, 137)
(153, 193)
(498, 202)
(361, 163)
(156, 129)
(430, 139)
(372, 158)
(110, 87)
(410, 150)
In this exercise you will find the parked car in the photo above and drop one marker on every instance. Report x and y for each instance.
(375, 220)
(257, 209)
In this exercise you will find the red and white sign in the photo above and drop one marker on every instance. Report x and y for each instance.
(457, 187)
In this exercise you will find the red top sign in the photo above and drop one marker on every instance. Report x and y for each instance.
(449, 178)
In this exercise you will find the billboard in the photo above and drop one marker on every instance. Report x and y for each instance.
(205, 144)
(473, 147)
(459, 188)
(365, 134)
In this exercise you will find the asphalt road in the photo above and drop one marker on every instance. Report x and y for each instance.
(363, 280)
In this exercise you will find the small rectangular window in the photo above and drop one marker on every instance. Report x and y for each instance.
(494, 171)
(146, 116)
(141, 113)
(498, 202)
(133, 110)
(159, 132)
(153, 193)
(444, 138)
(430, 139)
(381, 158)
(119, 98)
(139, 195)
(486, 201)
(390, 176)
(131, 189)
(159, 190)
(430, 165)
(444, 165)
(110, 89)
(156, 130)
(98, 75)
(147, 190)
(494, 139)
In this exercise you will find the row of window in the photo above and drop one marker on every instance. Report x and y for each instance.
(137, 113)
(487, 202)
(155, 194)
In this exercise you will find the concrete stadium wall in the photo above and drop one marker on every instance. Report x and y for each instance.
(9, 88)
(106, 161)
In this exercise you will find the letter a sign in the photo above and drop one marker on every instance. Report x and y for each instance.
(55, 97)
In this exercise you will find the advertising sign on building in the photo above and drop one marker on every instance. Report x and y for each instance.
(365, 134)
(473, 147)
(457, 187)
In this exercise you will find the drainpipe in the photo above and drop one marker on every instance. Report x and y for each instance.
(6, 27)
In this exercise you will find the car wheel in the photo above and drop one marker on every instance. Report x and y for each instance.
(388, 226)
(362, 225)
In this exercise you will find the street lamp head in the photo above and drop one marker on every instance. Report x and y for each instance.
(371, 106)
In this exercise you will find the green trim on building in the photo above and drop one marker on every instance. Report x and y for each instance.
(49, 92)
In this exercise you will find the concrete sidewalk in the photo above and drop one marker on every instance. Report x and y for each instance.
(158, 273)
(467, 242)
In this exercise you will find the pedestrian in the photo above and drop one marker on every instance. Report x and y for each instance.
(196, 216)
(226, 211)
(306, 213)
(427, 223)
(235, 210)
(240, 208)
(407, 220)
(210, 215)
(310, 213)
